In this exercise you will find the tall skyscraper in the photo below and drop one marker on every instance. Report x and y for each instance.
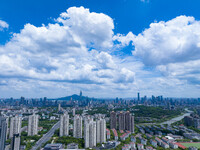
(15, 142)
(77, 131)
(33, 125)
(121, 120)
(22, 101)
(3, 129)
(138, 95)
(113, 120)
(64, 124)
(101, 131)
(90, 133)
(15, 126)
(80, 95)
(45, 101)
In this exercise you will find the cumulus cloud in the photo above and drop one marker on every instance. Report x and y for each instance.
(177, 40)
(94, 29)
(172, 47)
(3, 25)
(63, 52)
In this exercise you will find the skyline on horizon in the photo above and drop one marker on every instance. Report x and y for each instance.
(53, 49)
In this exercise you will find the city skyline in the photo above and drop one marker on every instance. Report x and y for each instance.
(55, 49)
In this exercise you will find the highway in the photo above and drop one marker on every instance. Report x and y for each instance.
(46, 137)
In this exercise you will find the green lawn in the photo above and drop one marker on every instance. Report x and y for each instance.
(191, 144)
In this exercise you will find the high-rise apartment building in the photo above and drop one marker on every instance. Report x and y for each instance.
(121, 120)
(77, 130)
(128, 121)
(33, 125)
(3, 130)
(64, 124)
(74, 111)
(59, 107)
(90, 133)
(7, 129)
(15, 126)
(113, 120)
(132, 128)
(101, 131)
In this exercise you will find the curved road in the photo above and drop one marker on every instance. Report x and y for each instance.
(46, 137)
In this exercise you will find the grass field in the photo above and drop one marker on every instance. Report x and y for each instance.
(191, 144)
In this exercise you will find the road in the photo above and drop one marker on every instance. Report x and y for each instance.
(178, 118)
(46, 137)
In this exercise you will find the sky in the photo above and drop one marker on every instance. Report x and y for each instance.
(104, 48)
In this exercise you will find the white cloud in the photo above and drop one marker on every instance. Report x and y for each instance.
(61, 53)
(177, 40)
(3, 25)
(95, 29)
(172, 48)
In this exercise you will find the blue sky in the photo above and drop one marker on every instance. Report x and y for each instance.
(104, 48)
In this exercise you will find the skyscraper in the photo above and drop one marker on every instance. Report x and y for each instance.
(101, 131)
(33, 125)
(77, 130)
(22, 101)
(90, 133)
(113, 120)
(138, 95)
(3, 129)
(80, 95)
(45, 101)
(15, 126)
(64, 124)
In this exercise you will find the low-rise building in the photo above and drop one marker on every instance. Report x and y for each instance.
(192, 148)
(173, 145)
(140, 146)
(154, 143)
(72, 146)
(164, 145)
(115, 134)
(108, 134)
(56, 146)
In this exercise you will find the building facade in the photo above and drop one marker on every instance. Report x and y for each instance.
(33, 125)
(64, 124)
(3, 132)
(77, 129)
(90, 133)
(101, 131)
(15, 126)
(113, 120)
